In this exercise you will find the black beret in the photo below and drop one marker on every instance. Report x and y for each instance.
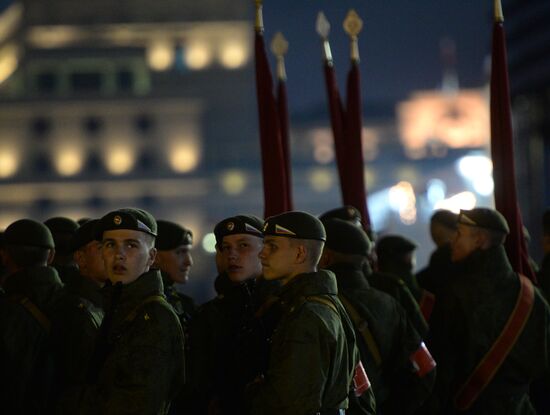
(484, 218)
(170, 235)
(248, 224)
(445, 218)
(392, 245)
(298, 225)
(27, 232)
(61, 224)
(546, 222)
(127, 218)
(347, 213)
(85, 234)
(346, 238)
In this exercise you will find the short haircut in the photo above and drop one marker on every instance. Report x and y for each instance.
(495, 237)
(313, 247)
(27, 256)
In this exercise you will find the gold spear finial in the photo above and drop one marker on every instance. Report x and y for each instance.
(259, 25)
(279, 47)
(353, 25)
(323, 29)
(499, 16)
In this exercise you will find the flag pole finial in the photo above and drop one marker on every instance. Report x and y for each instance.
(279, 47)
(499, 16)
(259, 25)
(353, 25)
(323, 29)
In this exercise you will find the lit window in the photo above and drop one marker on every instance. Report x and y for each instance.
(9, 161)
(119, 159)
(68, 162)
(198, 56)
(233, 55)
(161, 55)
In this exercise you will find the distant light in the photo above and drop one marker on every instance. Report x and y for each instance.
(403, 200)
(9, 161)
(198, 56)
(233, 55)
(6, 219)
(184, 156)
(233, 182)
(484, 185)
(474, 166)
(436, 191)
(68, 162)
(160, 55)
(321, 180)
(8, 61)
(323, 154)
(120, 159)
(209, 243)
(464, 200)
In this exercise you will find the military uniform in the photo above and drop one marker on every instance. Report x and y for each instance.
(183, 305)
(468, 319)
(77, 321)
(311, 361)
(396, 287)
(314, 362)
(139, 363)
(397, 387)
(438, 271)
(32, 291)
(25, 350)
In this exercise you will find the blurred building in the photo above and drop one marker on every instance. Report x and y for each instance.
(109, 104)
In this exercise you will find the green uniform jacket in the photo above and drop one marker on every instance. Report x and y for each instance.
(228, 345)
(26, 361)
(183, 305)
(311, 363)
(396, 287)
(76, 325)
(138, 366)
(465, 323)
(397, 388)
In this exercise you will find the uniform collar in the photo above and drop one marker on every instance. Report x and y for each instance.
(322, 282)
(40, 284)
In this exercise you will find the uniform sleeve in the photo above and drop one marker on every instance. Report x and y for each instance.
(414, 384)
(144, 372)
(298, 366)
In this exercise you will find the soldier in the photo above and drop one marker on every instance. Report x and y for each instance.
(313, 353)
(63, 231)
(399, 366)
(138, 364)
(490, 329)
(442, 231)
(394, 264)
(174, 261)
(32, 289)
(223, 359)
(393, 286)
(78, 318)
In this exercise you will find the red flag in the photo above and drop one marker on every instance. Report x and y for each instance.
(337, 121)
(502, 153)
(273, 164)
(347, 123)
(282, 104)
(354, 148)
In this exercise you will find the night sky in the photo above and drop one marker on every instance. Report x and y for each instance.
(399, 44)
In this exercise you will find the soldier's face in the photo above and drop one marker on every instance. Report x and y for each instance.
(127, 254)
(467, 240)
(90, 262)
(278, 258)
(176, 263)
(239, 256)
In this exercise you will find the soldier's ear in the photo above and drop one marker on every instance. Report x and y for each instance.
(51, 255)
(152, 256)
(301, 254)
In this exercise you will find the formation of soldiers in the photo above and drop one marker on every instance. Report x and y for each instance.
(311, 317)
